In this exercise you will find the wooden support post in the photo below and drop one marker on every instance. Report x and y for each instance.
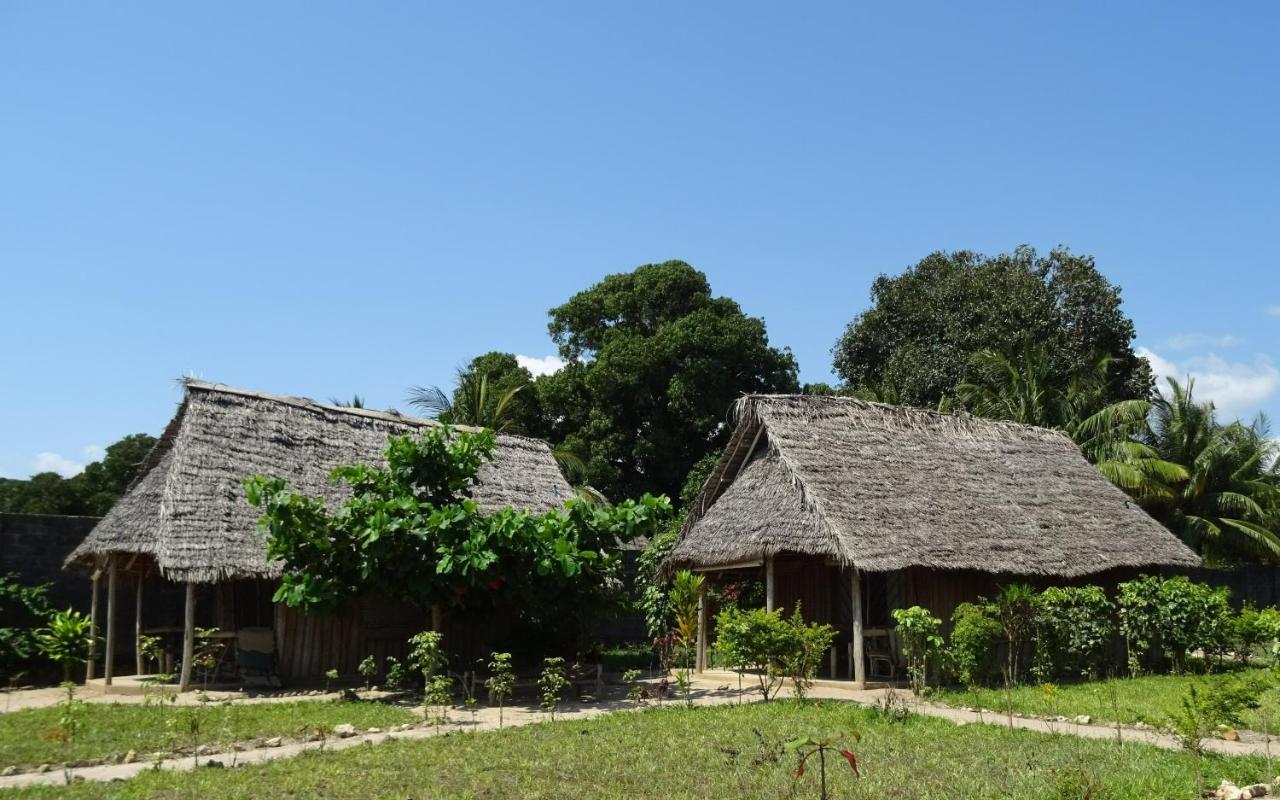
(702, 628)
(858, 650)
(437, 618)
(140, 663)
(188, 639)
(768, 583)
(109, 658)
(93, 628)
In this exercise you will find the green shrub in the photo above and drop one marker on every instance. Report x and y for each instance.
(809, 646)
(24, 603)
(1074, 629)
(1138, 608)
(66, 639)
(921, 636)
(1257, 631)
(756, 639)
(1015, 609)
(1192, 616)
(975, 634)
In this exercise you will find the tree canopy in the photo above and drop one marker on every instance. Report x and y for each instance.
(654, 363)
(411, 530)
(92, 492)
(916, 343)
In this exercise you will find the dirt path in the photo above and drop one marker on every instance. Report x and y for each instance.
(707, 693)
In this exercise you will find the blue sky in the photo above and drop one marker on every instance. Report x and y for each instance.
(321, 199)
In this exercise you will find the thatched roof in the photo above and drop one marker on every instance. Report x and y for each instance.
(187, 507)
(881, 488)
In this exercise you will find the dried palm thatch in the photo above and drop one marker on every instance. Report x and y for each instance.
(882, 488)
(187, 508)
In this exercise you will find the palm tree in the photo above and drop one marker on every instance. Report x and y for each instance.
(473, 403)
(356, 401)
(1228, 503)
(1030, 388)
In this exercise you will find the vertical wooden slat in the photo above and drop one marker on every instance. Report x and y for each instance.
(859, 651)
(768, 583)
(188, 638)
(109, 658)
(139, 660)
(702, 628)
(93, 627)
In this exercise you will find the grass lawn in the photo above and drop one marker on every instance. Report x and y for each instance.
(712, 752)
(1148, 699)
(107, 730)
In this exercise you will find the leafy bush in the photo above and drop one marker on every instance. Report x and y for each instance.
(975, 634)
(921, 635)
(1015, 609)
(19, 645)
(809, 645)
(1138, 606)
(1073, 631)
(1257, 632)
(66, 639)
(1192, 616)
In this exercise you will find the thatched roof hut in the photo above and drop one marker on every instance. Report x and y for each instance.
(879, 488)
(187, 508)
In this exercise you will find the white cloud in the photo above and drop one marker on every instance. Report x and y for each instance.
(541, 366)
(1237, 388)
(52, 462)
(1186, 341)
(94, 452)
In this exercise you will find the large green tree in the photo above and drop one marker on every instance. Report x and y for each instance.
(917, 341)
(92, 492)
(654, 363)
(411, 530)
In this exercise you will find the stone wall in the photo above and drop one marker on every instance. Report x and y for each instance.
(35, 545)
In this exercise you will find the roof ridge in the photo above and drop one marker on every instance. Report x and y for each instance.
(904, 410)
(368, 413)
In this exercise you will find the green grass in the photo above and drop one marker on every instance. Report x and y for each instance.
(704, 753)
(620, 658)
(1150, 699)
(107, 730)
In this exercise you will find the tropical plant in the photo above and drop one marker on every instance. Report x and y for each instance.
(758, 639)
(1014, 607)
(356, 401)
(368, 669)
(438, 696)
(426, 653)
(330, 676)
(473, 403)
(24, 603)
(686, 599)
(1208, 707)
(810, 644)
(1073, 628)
(66, 640)
(975, 635)
(501, 681)
(808, 746)
(1257, 632)
(552, 683)
(921, 635)
(395, 677)
(1138, 607)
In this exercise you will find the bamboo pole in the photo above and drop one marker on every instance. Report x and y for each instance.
(188, 639)
(702, 628)
(140, 664)
(859, 651)
(93, 627)
(109, 659)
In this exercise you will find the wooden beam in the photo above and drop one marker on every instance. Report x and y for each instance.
(188, 639)
(109, 659)
(140, 664)
(858, 649)
(726, 567)
(702, 628)
(93, 628)
(768, 583)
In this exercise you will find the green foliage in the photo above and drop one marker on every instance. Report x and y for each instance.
(1015, 609)
(921, 635)
(975, 635)
(685, 596)
(653, 363)
(65, 639)
(552, 683)
(492, 391)
(501, 682)
(917, 342)
(651, 588)
(756, 639)
(368, 669)
(1074, 630)
(426, 653)
(28, 605)
(438, 696)
(411, 529)
(809, 646)
(92, 492)
(1138, 607)
(1206, 708)
(395, 679)
(1193, 616)
(805, 747)
(1257, 632)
